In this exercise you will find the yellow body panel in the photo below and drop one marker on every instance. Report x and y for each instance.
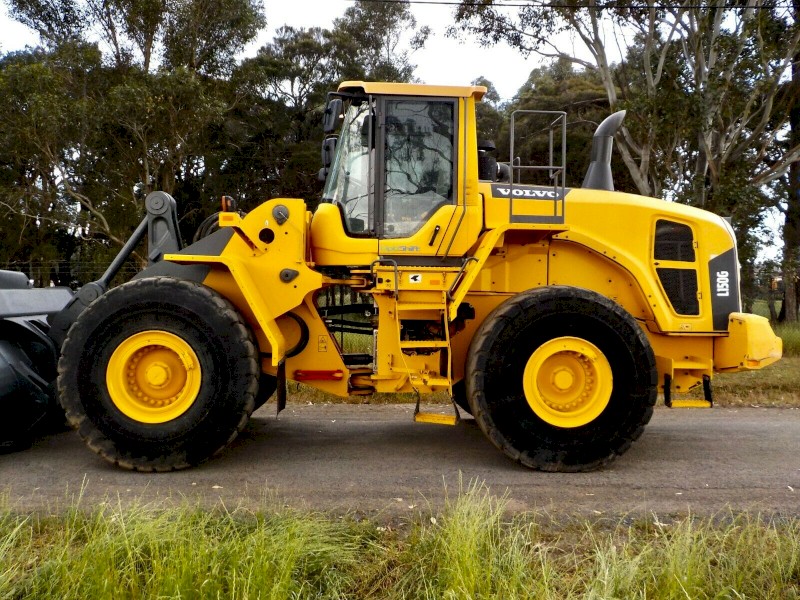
(621, 228)
(685, 358)
(257, 259)
(750, 344)
(332, 245)
(576, 265)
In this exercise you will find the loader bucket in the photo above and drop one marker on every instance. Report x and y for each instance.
(28, 359)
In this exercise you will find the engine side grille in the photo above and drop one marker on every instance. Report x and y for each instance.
(681, 288)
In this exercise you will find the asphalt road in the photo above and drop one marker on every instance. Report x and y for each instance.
(375, 459)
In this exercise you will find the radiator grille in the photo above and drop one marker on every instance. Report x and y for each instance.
(681, 288)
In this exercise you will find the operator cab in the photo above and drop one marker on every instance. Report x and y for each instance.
(396, 172)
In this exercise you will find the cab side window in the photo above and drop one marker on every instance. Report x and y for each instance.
(419, 157)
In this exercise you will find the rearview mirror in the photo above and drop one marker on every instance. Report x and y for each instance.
(328, 150)
(332, 113)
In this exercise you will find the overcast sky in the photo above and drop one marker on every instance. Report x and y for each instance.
(443, 61)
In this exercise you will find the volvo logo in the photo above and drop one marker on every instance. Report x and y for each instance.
(529, 192)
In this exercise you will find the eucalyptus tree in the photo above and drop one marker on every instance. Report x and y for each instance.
(727, 61)
(375, 40)
(127, 91)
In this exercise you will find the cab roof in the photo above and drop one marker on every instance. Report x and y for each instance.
(413, 89)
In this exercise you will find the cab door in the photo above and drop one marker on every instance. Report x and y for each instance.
(420, 215)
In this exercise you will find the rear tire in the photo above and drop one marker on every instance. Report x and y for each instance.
(158, 374)
(561, 379)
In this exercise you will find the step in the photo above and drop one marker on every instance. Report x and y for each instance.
(356, 359)
(436, 381)
(690, 403)
(435, 419)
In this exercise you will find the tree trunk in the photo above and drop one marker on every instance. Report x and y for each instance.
(773, 314)
(791, 226)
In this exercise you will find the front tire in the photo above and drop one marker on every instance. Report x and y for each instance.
(561, 379)
(158, 374)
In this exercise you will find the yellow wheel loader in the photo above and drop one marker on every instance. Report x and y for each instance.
(553, 314)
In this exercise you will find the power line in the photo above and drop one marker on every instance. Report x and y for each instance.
(542, 4)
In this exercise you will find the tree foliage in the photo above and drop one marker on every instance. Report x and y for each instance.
(371, 35)
(129, 96)
(705, 82)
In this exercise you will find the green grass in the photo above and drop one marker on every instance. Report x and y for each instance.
(775, 385)
(790, 334)
(472, 549)
(142, 552)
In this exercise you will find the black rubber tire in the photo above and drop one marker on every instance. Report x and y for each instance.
(224, 346)
(496, 361)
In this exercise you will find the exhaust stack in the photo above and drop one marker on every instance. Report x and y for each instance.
(598, 176)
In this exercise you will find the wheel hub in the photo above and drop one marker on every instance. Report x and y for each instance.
(568, 382)
(158, 374)
(563, 379)
(153, 376)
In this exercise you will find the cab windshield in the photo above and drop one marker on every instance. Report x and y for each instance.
(351, 181)
(390, 179)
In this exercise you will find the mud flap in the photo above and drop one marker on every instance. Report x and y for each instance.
(281, 391)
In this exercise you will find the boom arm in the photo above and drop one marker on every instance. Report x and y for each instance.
(161, 226)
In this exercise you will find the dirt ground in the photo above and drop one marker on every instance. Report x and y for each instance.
(375, 459)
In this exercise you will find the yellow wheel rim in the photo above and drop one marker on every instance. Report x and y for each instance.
(568, 382)
(153, 376)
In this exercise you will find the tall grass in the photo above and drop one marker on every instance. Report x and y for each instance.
(472, 549)
(695, 558)
(790, 334)
(140, 552)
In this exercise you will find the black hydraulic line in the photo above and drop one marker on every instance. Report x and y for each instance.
(301, 343)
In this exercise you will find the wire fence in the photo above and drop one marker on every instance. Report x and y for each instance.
(68, 273)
